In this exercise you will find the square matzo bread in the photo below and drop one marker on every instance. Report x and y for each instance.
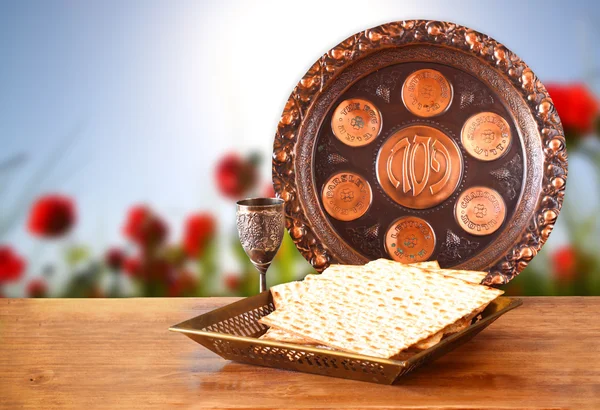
(293, 291)
(287, 291)
(466, 275)
(379, 315)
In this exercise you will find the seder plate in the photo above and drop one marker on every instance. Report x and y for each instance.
(421, 140)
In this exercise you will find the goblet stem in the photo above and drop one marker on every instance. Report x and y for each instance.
(262, 269)
(262, 286)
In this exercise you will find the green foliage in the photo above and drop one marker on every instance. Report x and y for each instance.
(208, 269)
(74, 255)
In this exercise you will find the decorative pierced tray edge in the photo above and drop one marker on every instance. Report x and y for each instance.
(185, 329)
(512, 303)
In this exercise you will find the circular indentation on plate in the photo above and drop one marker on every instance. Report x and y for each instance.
(486, 136)
(356, 122)
(419, 166)
(346, 196)
(427, 93)
(480, 211)
(410, 239)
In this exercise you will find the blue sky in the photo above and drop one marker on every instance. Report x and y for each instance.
(157, 90)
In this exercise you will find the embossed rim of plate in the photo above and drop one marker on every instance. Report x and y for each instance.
(525, 97)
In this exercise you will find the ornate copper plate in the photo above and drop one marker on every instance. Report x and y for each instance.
(453, 114)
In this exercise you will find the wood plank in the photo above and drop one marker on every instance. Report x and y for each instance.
(118, 354)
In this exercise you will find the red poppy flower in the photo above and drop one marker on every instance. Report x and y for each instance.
(11, 265)
(235, 176)
(232, 282)
(114, 258)
(199, 230)
(144, 227)
(564, 262)
(184, 285)
(132, 267)
(158, 270)
(51, 216)
(576, 106)
(37, 288)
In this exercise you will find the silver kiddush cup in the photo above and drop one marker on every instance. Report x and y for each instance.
(260, 224)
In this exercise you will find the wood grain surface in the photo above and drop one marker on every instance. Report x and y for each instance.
(118, 354)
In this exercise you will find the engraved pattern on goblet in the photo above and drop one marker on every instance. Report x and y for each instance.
(261, 223)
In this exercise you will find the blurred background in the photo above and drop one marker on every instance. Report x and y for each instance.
(129, 128)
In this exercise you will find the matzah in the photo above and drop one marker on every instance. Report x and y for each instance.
(466, 275)
(280, 335)
(294, 290)
(380, 313)
(287, 291)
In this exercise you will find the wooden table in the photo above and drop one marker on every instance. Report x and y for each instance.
(118, 354)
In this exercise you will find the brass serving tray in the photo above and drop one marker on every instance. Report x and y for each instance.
(421, 140)
(232, 332)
